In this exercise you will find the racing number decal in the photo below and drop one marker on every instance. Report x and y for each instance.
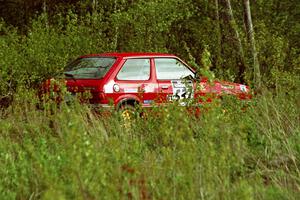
(182, 90)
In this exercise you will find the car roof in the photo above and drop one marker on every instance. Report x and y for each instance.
(130, 54)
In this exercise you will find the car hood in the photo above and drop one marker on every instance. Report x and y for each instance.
(225, 88)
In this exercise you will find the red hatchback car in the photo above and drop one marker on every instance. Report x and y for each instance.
(126, 79)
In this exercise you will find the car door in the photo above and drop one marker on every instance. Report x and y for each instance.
(174, 80)
(135, 81)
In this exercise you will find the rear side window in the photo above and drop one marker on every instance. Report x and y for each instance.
(90, 67)
(135, 69)
(171, 68)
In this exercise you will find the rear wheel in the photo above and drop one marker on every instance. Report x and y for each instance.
(128, 112)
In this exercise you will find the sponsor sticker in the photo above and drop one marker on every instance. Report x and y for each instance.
(243, 88)
(108, 88)
(148, 101)
(227, 86)
(149, 88)
(130, 90)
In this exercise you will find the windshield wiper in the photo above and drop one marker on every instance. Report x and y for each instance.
(69, 75)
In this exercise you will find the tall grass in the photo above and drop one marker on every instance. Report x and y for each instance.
(69, 152)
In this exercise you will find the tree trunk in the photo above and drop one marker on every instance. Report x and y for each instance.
(93, 6)
(115, 41)
(218, 32)
(242, 63)
(250, 35)
(44, 6)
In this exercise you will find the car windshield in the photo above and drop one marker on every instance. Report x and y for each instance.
(89, 67)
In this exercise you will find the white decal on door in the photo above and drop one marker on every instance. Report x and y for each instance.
(182, 90)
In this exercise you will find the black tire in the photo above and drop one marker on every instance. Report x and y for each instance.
(128, 112)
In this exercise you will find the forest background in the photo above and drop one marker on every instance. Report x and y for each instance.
(249, 155)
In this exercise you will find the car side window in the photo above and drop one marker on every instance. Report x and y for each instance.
(171, 68)
(135, 69)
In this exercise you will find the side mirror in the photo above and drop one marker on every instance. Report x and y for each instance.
(197, 76)
(189, 77)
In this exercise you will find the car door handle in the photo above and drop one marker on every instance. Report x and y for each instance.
(164, 87)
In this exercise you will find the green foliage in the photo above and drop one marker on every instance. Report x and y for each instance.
(190, 29)
(47, 48)
(227, 152)
(149, 28)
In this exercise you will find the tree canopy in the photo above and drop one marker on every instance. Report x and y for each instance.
(59, 30)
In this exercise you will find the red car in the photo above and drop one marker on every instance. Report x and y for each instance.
(125, 79)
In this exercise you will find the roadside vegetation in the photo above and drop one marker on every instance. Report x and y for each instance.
(228, 152)
(69, 152)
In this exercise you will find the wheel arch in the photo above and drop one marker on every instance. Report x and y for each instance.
(127, 101)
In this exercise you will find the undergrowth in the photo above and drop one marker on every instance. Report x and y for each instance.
(228, 152)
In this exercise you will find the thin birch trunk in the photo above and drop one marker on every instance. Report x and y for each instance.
(218, 30)
(233, 24)
(44, 6)
(115, 41)
(93, 6)
(250, 34)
